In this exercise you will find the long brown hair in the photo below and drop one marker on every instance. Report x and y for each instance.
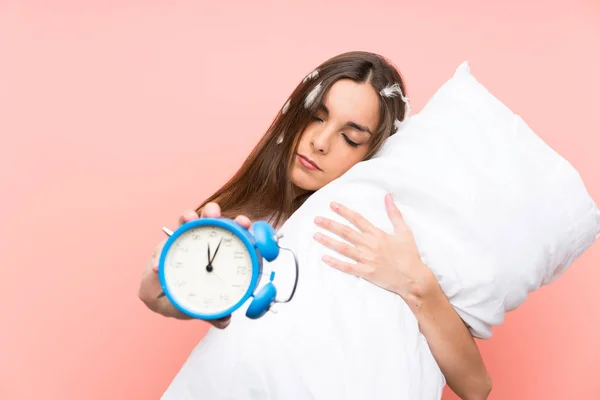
(261, 188)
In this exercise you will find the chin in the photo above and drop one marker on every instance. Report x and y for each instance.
(304, 182)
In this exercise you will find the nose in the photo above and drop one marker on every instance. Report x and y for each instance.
(321, 140)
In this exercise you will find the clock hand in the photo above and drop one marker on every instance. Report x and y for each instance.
(216, 250)
(209, 266)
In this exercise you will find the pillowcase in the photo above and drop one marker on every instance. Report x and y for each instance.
(496, 213)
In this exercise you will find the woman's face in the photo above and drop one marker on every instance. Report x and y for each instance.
(338, 136)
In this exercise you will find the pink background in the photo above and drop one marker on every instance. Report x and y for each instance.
(117, 115)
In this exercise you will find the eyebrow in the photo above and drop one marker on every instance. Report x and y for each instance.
(350, 124)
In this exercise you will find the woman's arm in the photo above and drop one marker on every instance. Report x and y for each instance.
(392, 261)
(451, 343)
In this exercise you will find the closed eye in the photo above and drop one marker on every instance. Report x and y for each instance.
(350, 142)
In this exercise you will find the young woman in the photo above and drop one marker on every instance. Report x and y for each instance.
(339, 115)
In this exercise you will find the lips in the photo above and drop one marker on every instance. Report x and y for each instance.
(308, 163)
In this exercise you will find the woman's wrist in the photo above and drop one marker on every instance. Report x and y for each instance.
(422, 290)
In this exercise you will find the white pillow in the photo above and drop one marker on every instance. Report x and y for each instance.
(496, 213)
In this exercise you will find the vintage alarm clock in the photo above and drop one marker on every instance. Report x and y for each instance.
(210, 267)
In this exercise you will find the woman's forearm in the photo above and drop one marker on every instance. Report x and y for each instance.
(451, 343)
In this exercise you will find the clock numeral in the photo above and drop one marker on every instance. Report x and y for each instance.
(207, 300)
(191, 294)
(195, 236)
(212, 233)
(224, 297)
(227, 241)
(238, 254)
(235, 285)
(178, 264)
(184, 249)
(180, 283)
(241, 270)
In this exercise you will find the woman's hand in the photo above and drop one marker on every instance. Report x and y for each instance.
(390, 261)
(151, 287)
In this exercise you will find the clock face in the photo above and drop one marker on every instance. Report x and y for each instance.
(208, 285)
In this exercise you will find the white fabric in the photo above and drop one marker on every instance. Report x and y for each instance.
(496, 214)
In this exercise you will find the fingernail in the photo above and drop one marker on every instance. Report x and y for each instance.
(335, 205)
(317, 236)
(318, 220)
